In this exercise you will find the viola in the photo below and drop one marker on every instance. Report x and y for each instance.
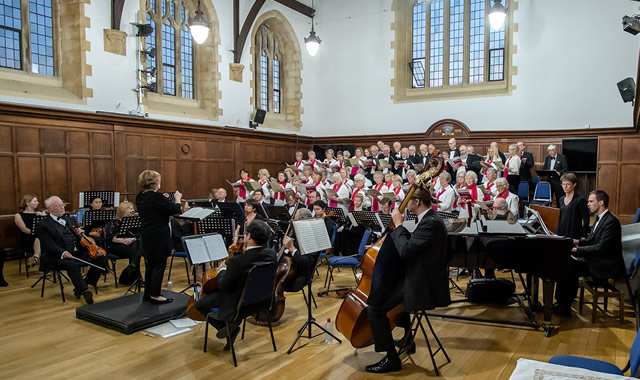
(94, 249)
(352, 319)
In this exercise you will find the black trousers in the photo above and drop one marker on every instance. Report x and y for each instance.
(73, 270)
(205, 304)
(567, 288)
(132, 252)
(154, 274)
(556, 188)
(514, 182)
(380, 327)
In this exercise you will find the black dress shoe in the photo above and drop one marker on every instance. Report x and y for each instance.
(233, 337)
(88, 297)
(222, 333)
(160, 302)
(145, 298)
(385, 365)
(404, 345)
(561, 310)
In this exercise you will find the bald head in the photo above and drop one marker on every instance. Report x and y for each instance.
(54, 205)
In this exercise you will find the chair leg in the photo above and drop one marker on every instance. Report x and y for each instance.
(62, 286)
(206, 334)
(244, 326)
(115, 272)
(437, 339)
(326, 277)
(44, 279)
(186, 267)
(594, 307)
(330, 274)
(233, 350)
(621, 300)
(170, 267)
(426, 338)
(581, 302)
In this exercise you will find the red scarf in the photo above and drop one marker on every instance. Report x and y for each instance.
(488, 196)
(388, 184)
(503, 195)
(435, 207)
(281, 194)
(506, 172)
(353, 196)
(299, 165)
(336, 187)
(484, 172)
(375, 206)
(313, 164)
(474, 192)
(242, 193)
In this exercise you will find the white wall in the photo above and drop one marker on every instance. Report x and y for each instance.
(571, 54)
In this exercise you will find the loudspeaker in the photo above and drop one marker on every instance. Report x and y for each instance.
(627, 88)
(259, 116)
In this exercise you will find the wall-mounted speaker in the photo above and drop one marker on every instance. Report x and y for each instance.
(627, 88)
(259, 116)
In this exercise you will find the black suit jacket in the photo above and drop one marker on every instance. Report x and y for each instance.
(473, 163)
(561, 163)
(415, 158)
(418, 263)
(454, 153)
(55, 239)
(525, 167)
(155, 210)
(602, 250)
(231, 281)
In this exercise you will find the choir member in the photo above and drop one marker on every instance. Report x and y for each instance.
(490, 184)
(279, 196)
(397, 190)
(503, 192)
(241, 192)
(342, 192)
(311, 157)
(512, 168)
(380, 187)
(446, 195)
(299, 164)
(263, 174)
(557, 162)
(470, 180)
(573, 220)
(359, 187)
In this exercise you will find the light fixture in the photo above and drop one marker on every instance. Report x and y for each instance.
(312, 42)
(153, 71)
(631, 24)
(199, 26)
(151, 52)
(149, 87)
(144, 30)
(497, 15)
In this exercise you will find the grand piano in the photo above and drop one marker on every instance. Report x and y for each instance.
(528, 248)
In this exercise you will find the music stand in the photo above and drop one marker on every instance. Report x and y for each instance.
(278, 212)
(338, 215)
(224, 226)
(411, 216)
(310, 320)
(231, 209)
(386, 219)
(109, 198)
(260, 210)
(98, 218)
(204, 203)
(130, 227)
(547, 173)
(367, 219)
(203, 260)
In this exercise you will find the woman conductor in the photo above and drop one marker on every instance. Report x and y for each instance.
(155, 209)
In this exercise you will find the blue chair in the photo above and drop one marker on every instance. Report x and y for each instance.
(601, 366)
(353, 262)
(112, 259)
(182, 255)
(542, 195)
(324, 255)
(256, 296)
(637, 217)
(523, 192)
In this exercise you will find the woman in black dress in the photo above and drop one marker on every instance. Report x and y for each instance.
(125, 247)
(573, 221)
(28, 210)
(155, 209)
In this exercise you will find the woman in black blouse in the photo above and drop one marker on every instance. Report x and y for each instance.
(125, 247)
(573, 221)
(155, 209)
(28, 210)
(250, 213)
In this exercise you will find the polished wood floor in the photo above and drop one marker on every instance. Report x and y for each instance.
(41, 338)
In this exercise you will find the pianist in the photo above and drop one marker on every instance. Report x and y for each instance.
(598, 256)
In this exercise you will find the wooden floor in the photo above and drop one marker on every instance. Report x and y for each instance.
(41, 338)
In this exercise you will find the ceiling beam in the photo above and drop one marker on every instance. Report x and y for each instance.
(116, 13)
(238, 44)
(299, 7)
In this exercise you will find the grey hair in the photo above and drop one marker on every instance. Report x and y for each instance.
(551, 147)
(48, 201)
(304, 213)
(493, 170)
(471, 173)
(446, 176)
(336, 175)
(502, 181)
(358, 177)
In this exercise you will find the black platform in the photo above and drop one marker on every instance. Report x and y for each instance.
(129, 314)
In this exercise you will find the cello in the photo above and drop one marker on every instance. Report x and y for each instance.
(352, 319)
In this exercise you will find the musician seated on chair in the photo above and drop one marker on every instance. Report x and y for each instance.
(598, 256)
(232, 276)
(60, 245)
(303, 264)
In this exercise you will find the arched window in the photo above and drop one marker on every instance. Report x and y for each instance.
(36, 32)
(452, 51)
(173, 63)
(268, 74)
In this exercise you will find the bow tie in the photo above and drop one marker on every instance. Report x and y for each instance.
(59, 217)
(597, 218)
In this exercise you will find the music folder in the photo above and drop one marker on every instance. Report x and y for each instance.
(205, 248)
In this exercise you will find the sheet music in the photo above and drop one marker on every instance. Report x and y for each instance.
(352, 219)
(197, 213)
(312, 235)
(215, 247)
(379, 221)
(197, 250)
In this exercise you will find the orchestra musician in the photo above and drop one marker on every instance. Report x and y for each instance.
(220, 195)
(312, 197)
(598, 256)
(28, 210)
(304, 264)
(125, 247)
(97, 233)
(250, 214)
(155, 209)
(233, 274)
(385, 206)
(60, 245)
(414, 274)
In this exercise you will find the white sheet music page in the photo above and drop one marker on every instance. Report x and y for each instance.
(312, 235)
(215, 247)
(197, 250)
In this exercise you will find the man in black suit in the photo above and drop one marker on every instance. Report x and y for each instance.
(558, 163)
(598, 256)
(526, 164)
(414, 156)
(403, 164)
(473, 162)
(453, 148)
(59, 244)
(494, 145)
(411, 269)
(232, 276)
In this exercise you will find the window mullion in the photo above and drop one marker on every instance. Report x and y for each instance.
(178, 59)
(446, 26)
(467, 43)
(159, 63)
(427, 46)
(25, 34)
(487, 32)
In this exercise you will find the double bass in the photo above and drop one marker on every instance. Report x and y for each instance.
(352, 319)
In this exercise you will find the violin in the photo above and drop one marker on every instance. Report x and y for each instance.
(94, 249)
(352, 319)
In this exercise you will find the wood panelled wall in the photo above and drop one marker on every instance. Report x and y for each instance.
(45, 152)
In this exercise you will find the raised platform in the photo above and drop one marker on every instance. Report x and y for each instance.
(130, 314)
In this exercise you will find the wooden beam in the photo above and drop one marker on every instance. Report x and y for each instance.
(298, 7)
(116, 13)
(241, 38)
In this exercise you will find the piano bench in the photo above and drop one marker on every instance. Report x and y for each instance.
(608, 290)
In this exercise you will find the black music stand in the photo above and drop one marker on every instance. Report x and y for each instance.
(310, 320)
(231, 209)
(278, 233)
(386, 219)
(260, 210)
(204, 203)
(278, 212)
(547, 173)
(130, 227)
(411, 216)
(108, 198)
(98, 218)
(195, 284)
(367, 219)
(338, 215)
(224, 226)
(34, 227)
